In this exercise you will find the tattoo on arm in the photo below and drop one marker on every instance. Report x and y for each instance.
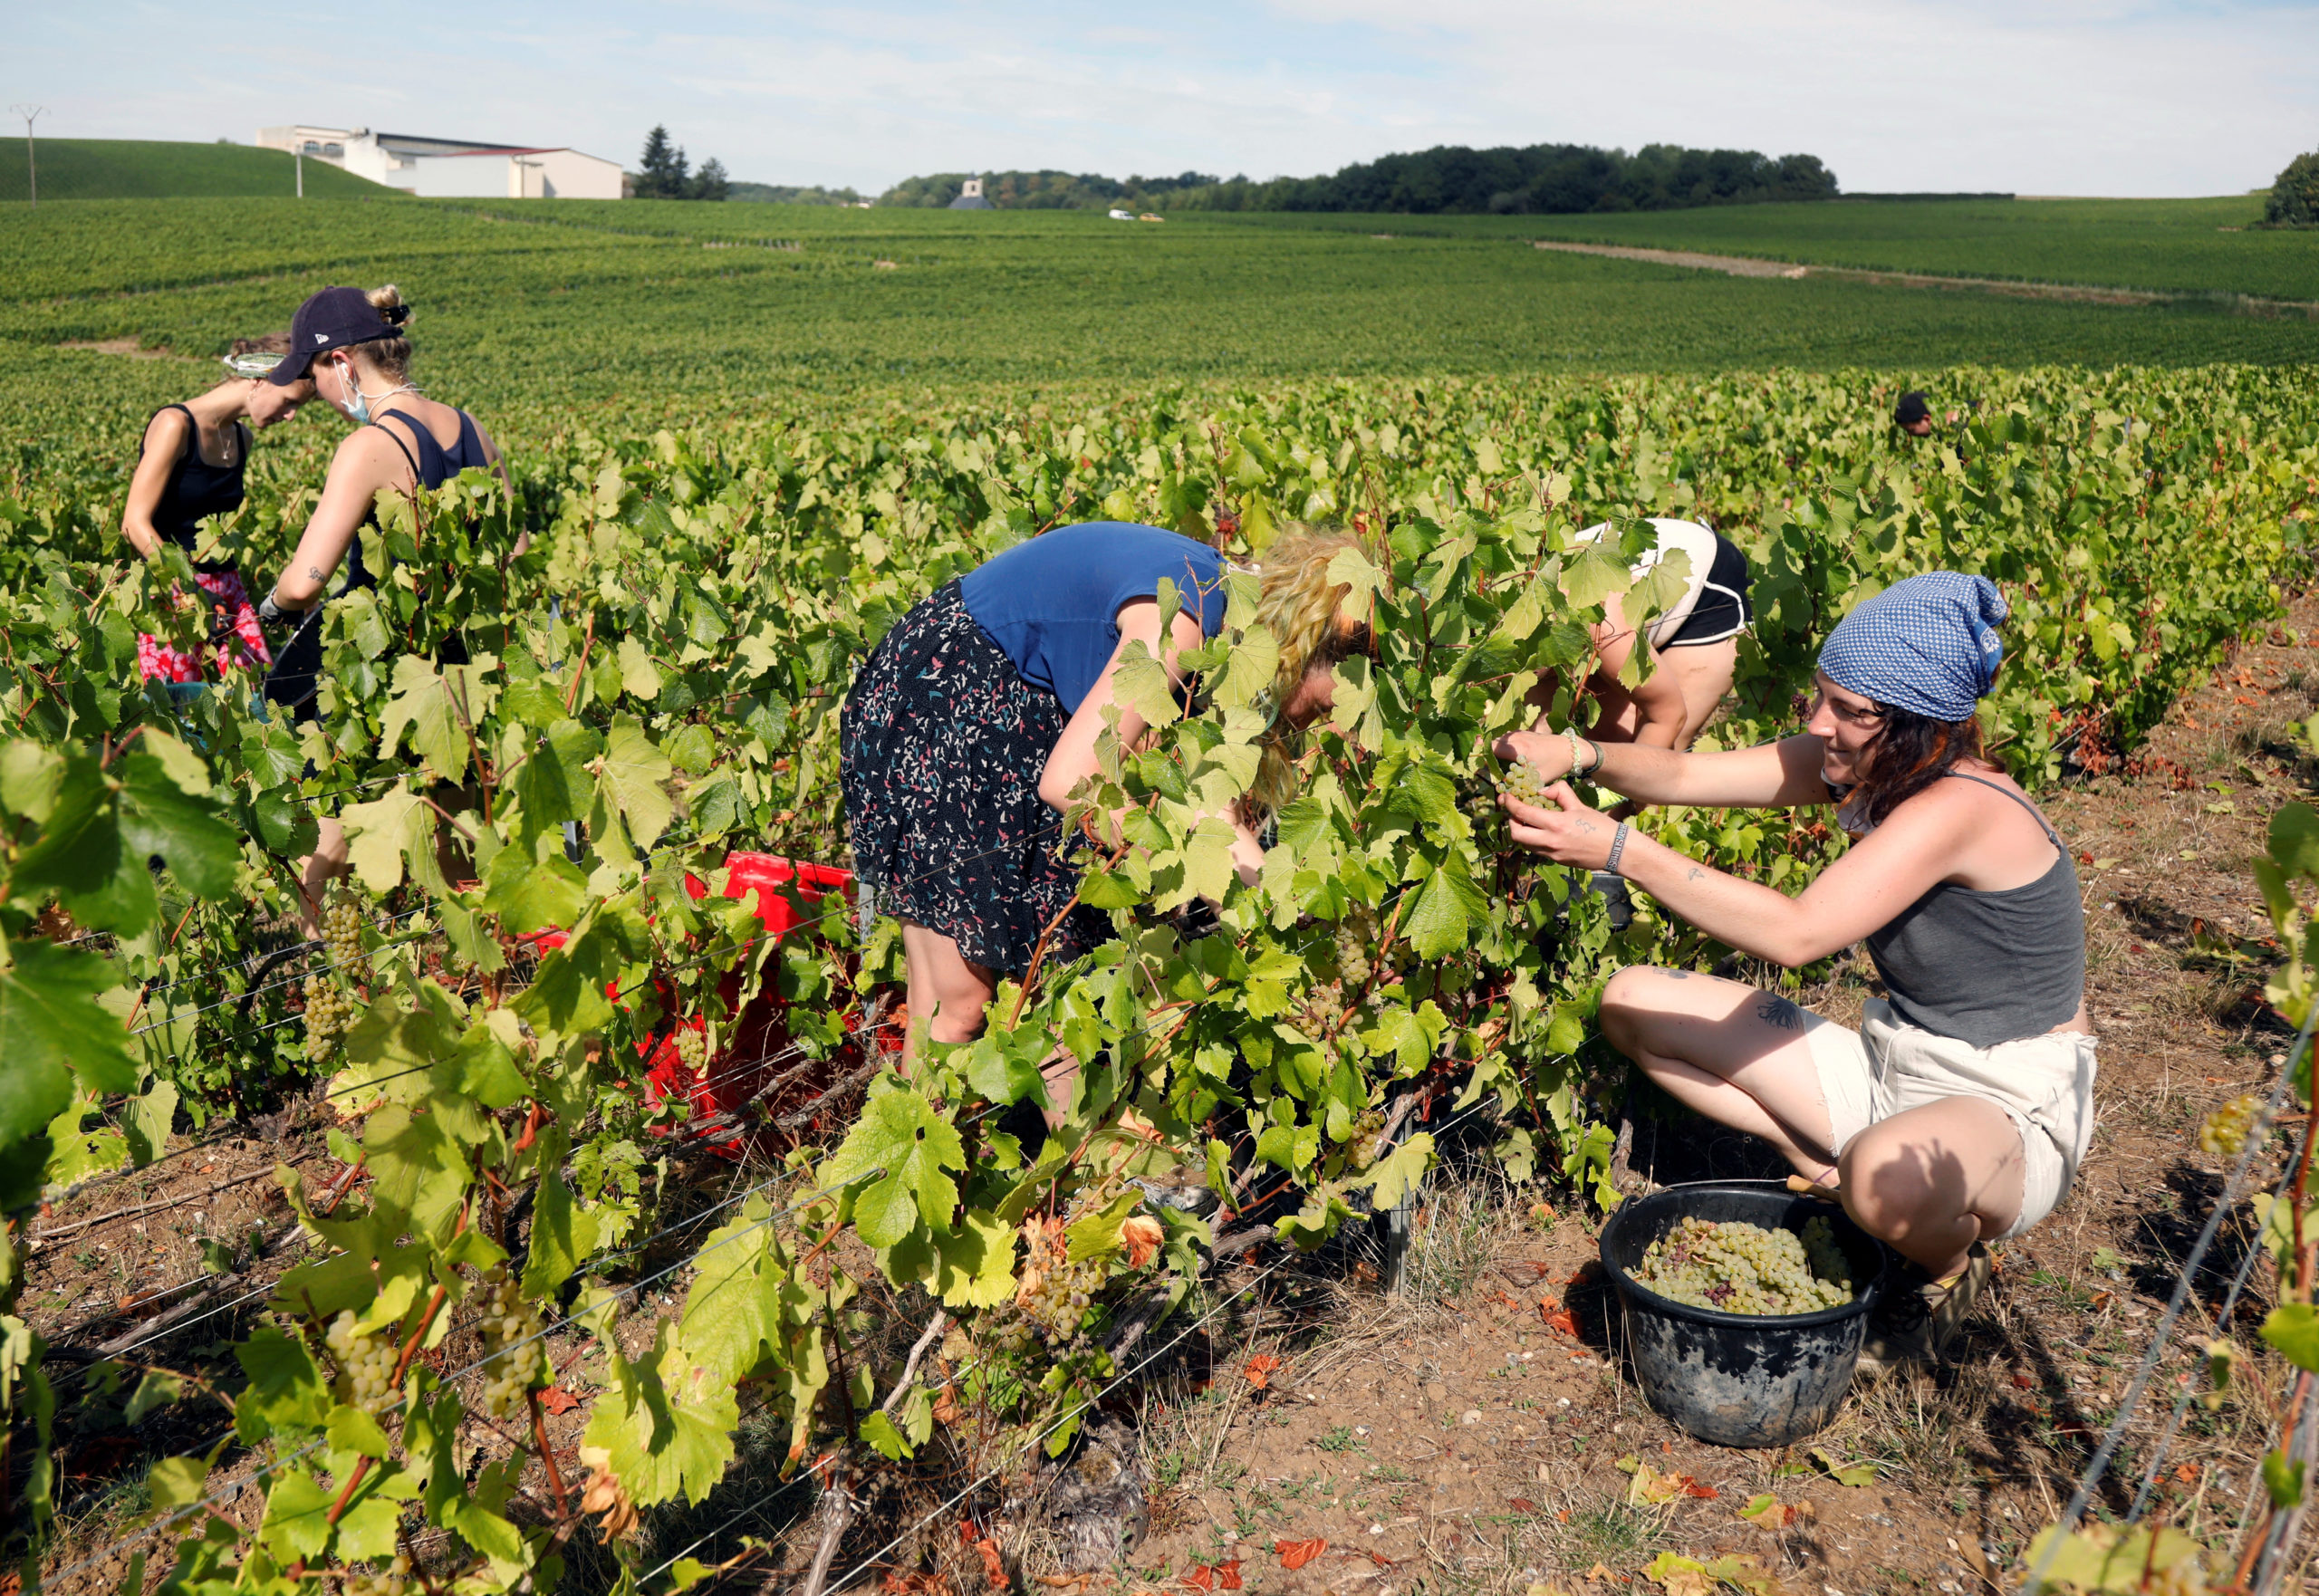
(1781, 1013)
(1695, 874)
(315, 571)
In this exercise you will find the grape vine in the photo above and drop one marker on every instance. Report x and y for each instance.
(549, 768)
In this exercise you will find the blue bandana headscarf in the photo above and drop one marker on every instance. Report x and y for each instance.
(1928, 644)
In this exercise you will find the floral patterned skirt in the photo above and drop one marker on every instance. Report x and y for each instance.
(941, 745)
(234, 628)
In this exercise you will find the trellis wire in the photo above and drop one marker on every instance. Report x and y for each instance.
(2222, 1320)
(1113, 1384)
(228, 1492)
(1110, 1386)
(2184, 1272)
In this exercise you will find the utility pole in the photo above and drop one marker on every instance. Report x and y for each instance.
(298, 159)
(32, 167)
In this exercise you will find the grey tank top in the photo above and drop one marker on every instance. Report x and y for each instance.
(1987, 968)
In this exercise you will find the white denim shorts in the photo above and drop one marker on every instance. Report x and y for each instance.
(2044, 1083)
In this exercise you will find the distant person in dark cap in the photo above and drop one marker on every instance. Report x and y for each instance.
(1913, 415)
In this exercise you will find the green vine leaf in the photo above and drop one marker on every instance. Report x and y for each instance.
(2294, 1329)
(900, 1133)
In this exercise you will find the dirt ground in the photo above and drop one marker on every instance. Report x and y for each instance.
(1482, 1432)
(1479, 1430)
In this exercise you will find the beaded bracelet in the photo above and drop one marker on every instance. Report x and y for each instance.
(1577, 745)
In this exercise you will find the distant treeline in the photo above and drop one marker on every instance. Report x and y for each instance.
(1541, 178)
(1047, 190)
(782, 194)
(1538, 179)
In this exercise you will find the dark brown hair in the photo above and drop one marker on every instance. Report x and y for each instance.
(1912, 752)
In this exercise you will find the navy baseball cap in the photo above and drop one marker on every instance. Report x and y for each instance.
(331, 318)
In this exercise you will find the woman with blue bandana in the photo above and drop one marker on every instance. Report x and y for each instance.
(1959, 1112)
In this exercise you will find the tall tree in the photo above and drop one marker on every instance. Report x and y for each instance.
(2295, 198)
(710, 182)
(662, 169)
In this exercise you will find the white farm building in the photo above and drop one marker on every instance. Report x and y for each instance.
(453, 168)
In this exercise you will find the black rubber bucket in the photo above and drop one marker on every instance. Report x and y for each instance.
(1740, 1380)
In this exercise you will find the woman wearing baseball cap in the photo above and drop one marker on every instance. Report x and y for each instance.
(349, 347)
(1959, 1111)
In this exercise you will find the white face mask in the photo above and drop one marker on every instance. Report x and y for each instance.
(358, 403)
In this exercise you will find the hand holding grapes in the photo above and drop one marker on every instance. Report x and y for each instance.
(1558, 824)
(1549, 754)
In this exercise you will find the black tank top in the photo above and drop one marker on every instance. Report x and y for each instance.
(429, 461)
(196, 489)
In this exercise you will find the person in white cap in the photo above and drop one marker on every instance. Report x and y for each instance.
(1694, 643)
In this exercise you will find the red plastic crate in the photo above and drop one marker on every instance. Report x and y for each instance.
(758, 1041)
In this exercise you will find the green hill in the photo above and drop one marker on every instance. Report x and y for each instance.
(2172, 246)
(146, 169)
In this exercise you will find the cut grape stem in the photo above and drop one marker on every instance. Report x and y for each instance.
(547, 1456)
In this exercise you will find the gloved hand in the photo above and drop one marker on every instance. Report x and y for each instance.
(273, 616)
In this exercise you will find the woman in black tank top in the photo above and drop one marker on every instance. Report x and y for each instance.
(190, 467)
(349, 347)
(1958, 1112)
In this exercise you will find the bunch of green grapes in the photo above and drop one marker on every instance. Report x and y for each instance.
(1059, 1307)
(389, 1581)
(1053, 1316)
(1738, 1268)
(329, 1013)
(513, 1360)
(366, 1365)
(1324, 1006)
(1523, 781)
(2226, 1129)
(342, 931)
(692, 1049)
(329, 1017)
(1355, 940)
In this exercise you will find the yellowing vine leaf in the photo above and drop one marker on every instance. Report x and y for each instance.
(977, 1267)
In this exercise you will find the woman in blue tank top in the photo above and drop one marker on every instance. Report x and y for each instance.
(974, 719)
(348, 347)
(1960, 1109)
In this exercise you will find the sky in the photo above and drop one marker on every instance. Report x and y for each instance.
(2083, 97)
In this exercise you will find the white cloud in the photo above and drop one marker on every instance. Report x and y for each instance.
(2064, 96)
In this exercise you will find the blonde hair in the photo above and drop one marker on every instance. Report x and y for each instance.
(392, 356)
(1313, 620)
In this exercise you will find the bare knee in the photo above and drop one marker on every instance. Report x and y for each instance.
(1633, 1000)
(957, 1017)
(1896, 1187)
(958, 1007)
